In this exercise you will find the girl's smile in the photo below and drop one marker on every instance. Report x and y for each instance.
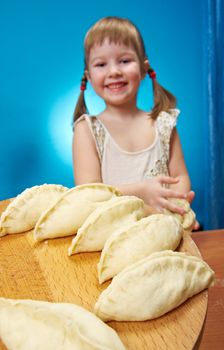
(116, 86)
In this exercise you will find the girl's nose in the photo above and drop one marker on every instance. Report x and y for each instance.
(114, 70)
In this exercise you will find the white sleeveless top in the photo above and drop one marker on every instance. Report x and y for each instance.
(121, 167)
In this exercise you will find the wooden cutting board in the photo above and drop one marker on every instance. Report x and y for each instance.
(43, 271)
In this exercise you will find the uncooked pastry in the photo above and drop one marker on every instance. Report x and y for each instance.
(136, 241)
(23, 212)
(188, 218)
(66, 215)
(41, 325)
(106, 219)
(153, 286)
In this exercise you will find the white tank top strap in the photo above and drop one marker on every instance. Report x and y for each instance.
(97, 130)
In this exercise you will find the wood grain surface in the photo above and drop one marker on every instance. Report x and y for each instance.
(43, 271)
(211, 245)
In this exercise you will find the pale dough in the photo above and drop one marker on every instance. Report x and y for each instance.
(115, 213)
(41, 325)
(67, 214)
(153, 286)
(136, 241)
(23, 212)
(187, 220)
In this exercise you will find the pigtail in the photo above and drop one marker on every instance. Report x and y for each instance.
(163, 99)
(80, 107)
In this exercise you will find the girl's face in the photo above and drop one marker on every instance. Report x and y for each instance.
(114, 72)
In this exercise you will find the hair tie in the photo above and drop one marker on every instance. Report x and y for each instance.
(83, 83)
(152, 73)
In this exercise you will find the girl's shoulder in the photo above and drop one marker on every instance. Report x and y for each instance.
(96, 129)
(85, 117)
(167, 119)
(92, 121)
(171, 114)
(166, 122)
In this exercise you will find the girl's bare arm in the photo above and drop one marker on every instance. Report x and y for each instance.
(86, 162)
(177, 167)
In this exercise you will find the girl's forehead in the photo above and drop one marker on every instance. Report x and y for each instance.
(110, 47)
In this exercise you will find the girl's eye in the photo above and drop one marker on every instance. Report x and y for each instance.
(125, 60)
(100, 64)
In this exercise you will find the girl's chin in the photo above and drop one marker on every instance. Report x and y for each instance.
(118, 99)
(120, 103)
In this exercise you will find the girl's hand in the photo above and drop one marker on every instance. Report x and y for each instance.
(156, 195)
(190, 198)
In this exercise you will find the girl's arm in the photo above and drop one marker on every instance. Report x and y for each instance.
(177, 167)
(86, 162)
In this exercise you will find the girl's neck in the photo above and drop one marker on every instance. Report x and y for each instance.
(127, 111)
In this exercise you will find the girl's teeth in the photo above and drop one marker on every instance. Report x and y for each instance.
(116, 86)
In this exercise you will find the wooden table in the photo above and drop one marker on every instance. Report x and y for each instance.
(211, 245)
(43, 271)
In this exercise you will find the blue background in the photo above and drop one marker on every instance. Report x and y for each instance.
(41, 64)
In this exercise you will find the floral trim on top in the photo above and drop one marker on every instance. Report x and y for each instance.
(160, 168)
(99, 134)
(165, 123)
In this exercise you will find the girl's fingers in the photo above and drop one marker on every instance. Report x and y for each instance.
(196, 225)
(173, 194)
(190, 196)
(175, 208)
(172, 207)
(168, 180)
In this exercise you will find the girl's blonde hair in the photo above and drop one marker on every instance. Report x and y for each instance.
(122, 31)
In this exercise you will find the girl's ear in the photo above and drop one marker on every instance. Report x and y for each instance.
(146, 68)
(87, 74)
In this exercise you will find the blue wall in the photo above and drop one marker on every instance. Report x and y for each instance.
(41, 64)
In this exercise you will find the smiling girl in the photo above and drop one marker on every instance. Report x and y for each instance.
(137, 151)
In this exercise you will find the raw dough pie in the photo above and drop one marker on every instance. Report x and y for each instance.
(187, 220)
(39, 325)
(136, 241)
(153, 286)
(23, 212)
(93, 234)
(66, 215)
